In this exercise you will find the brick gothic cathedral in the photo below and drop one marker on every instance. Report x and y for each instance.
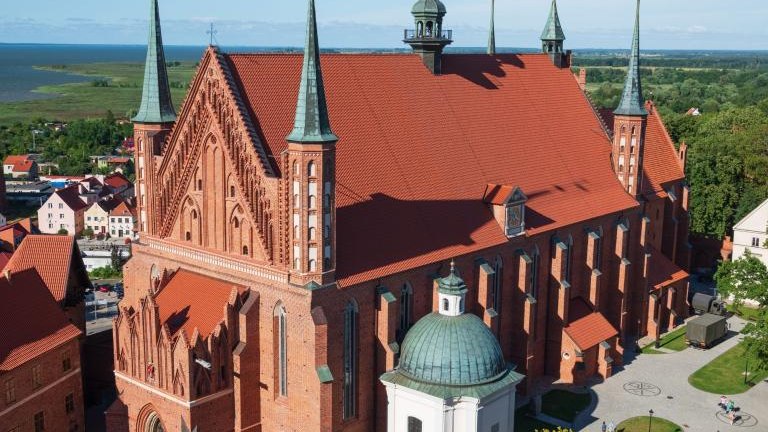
(295, 221)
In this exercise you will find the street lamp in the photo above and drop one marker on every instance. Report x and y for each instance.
(650, 419)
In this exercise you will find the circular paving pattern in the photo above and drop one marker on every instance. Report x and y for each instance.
(744, 420)
(639, 388)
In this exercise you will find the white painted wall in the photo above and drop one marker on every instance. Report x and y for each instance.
(750, 230)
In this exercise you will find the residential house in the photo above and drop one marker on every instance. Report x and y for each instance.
(40, 371)
(20, 166)
(119, 185)
(64, 210)
(12, 235)
(92, 190)
(97, 215)
(122, 220)
(57, 260)
(751, 234)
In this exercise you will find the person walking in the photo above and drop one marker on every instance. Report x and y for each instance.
(604, 427)
(730, 406)
(723, 401)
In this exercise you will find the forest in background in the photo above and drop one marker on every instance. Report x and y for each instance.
(728, 144)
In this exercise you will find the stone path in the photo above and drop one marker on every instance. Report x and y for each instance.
(660, 382)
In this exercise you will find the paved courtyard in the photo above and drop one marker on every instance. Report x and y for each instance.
(660, 382)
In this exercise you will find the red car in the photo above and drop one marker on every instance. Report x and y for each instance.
(103, 288)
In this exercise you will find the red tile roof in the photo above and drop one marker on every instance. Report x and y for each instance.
(123, 209)
(497, 194)
(32, 321)
(416, 151)
(590, 331)
(21, 163)
(91, 181)
(662, 271)
(12, 235)
(661, 163)
(117, 181)
(4, 258)
(51, 256)
(71, 197)
(192, 301)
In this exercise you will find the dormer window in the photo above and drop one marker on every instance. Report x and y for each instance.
(508, 206)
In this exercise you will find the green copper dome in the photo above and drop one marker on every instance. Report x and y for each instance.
(429, 7)
(451, 350)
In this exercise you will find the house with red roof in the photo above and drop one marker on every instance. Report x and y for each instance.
(63, 211)
(118, 184)
(20, 166)
(341, 189)
(122, 220)
(58, 261)
(39, 358)
(12, 235)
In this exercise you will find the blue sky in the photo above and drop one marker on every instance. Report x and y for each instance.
(667, 24)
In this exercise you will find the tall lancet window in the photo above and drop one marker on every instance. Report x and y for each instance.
(406, 313)
(498, 281)
(350, 359)
(568, 260)
(281, 350)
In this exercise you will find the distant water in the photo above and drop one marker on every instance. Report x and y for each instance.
(18, 77)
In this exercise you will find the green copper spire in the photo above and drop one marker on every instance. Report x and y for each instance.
(632, 102)
(311, 124)
(492, 34)
(156, 104)
(553, 31)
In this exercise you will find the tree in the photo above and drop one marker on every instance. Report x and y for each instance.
(88, 232)
(743, 279)
(747, 279)
(63, 232)
(117, 261)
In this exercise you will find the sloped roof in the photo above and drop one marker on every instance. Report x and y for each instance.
(190, 300)
(4, 258)
(91, 181)
(590, 331)
(416, 150)
(117, 181)
(108, 205)
(753, 221)
(123, 209)
(21, 163)
(662, 272)
(51, 256)
(71, 197)
(33, 323)
(661, 164)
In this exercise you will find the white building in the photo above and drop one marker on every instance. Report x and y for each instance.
(122, 221)
(751, 233)
(452, 376)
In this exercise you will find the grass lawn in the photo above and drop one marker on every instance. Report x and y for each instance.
(564, 404)
(748, 313)
(84, 100)
(724, 375)
(640, 424)
(525, 423)
(674, 341)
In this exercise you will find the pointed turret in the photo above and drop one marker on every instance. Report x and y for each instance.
(552, 39)
(311, 175)
(492, 31)
(311, 124)
(629, 124)
(632, 102)
(156, 104)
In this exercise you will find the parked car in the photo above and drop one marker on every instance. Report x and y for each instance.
(103, 288)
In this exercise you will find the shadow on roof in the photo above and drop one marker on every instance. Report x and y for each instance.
(480, 68)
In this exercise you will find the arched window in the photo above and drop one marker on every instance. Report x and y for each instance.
(245, 250)
(414, 424)
(312, 201)
(498, 283)
(199, 184)
(406, 314)
(311, 169)
(312, 265)
(327, 201)
(312, 233)
(533, 282)
(420, 29)
(296, 202)
(232, 191)
(599, 249)
(568, 260)
(188, 236)
(295, 168)
(350, 360)
(194, 214)
(446, 304)
(296, 232)
(153, 423)
(281, 350)
(429, 28)
(236, 223)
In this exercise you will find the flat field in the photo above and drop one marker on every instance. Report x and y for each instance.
(115, 87)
